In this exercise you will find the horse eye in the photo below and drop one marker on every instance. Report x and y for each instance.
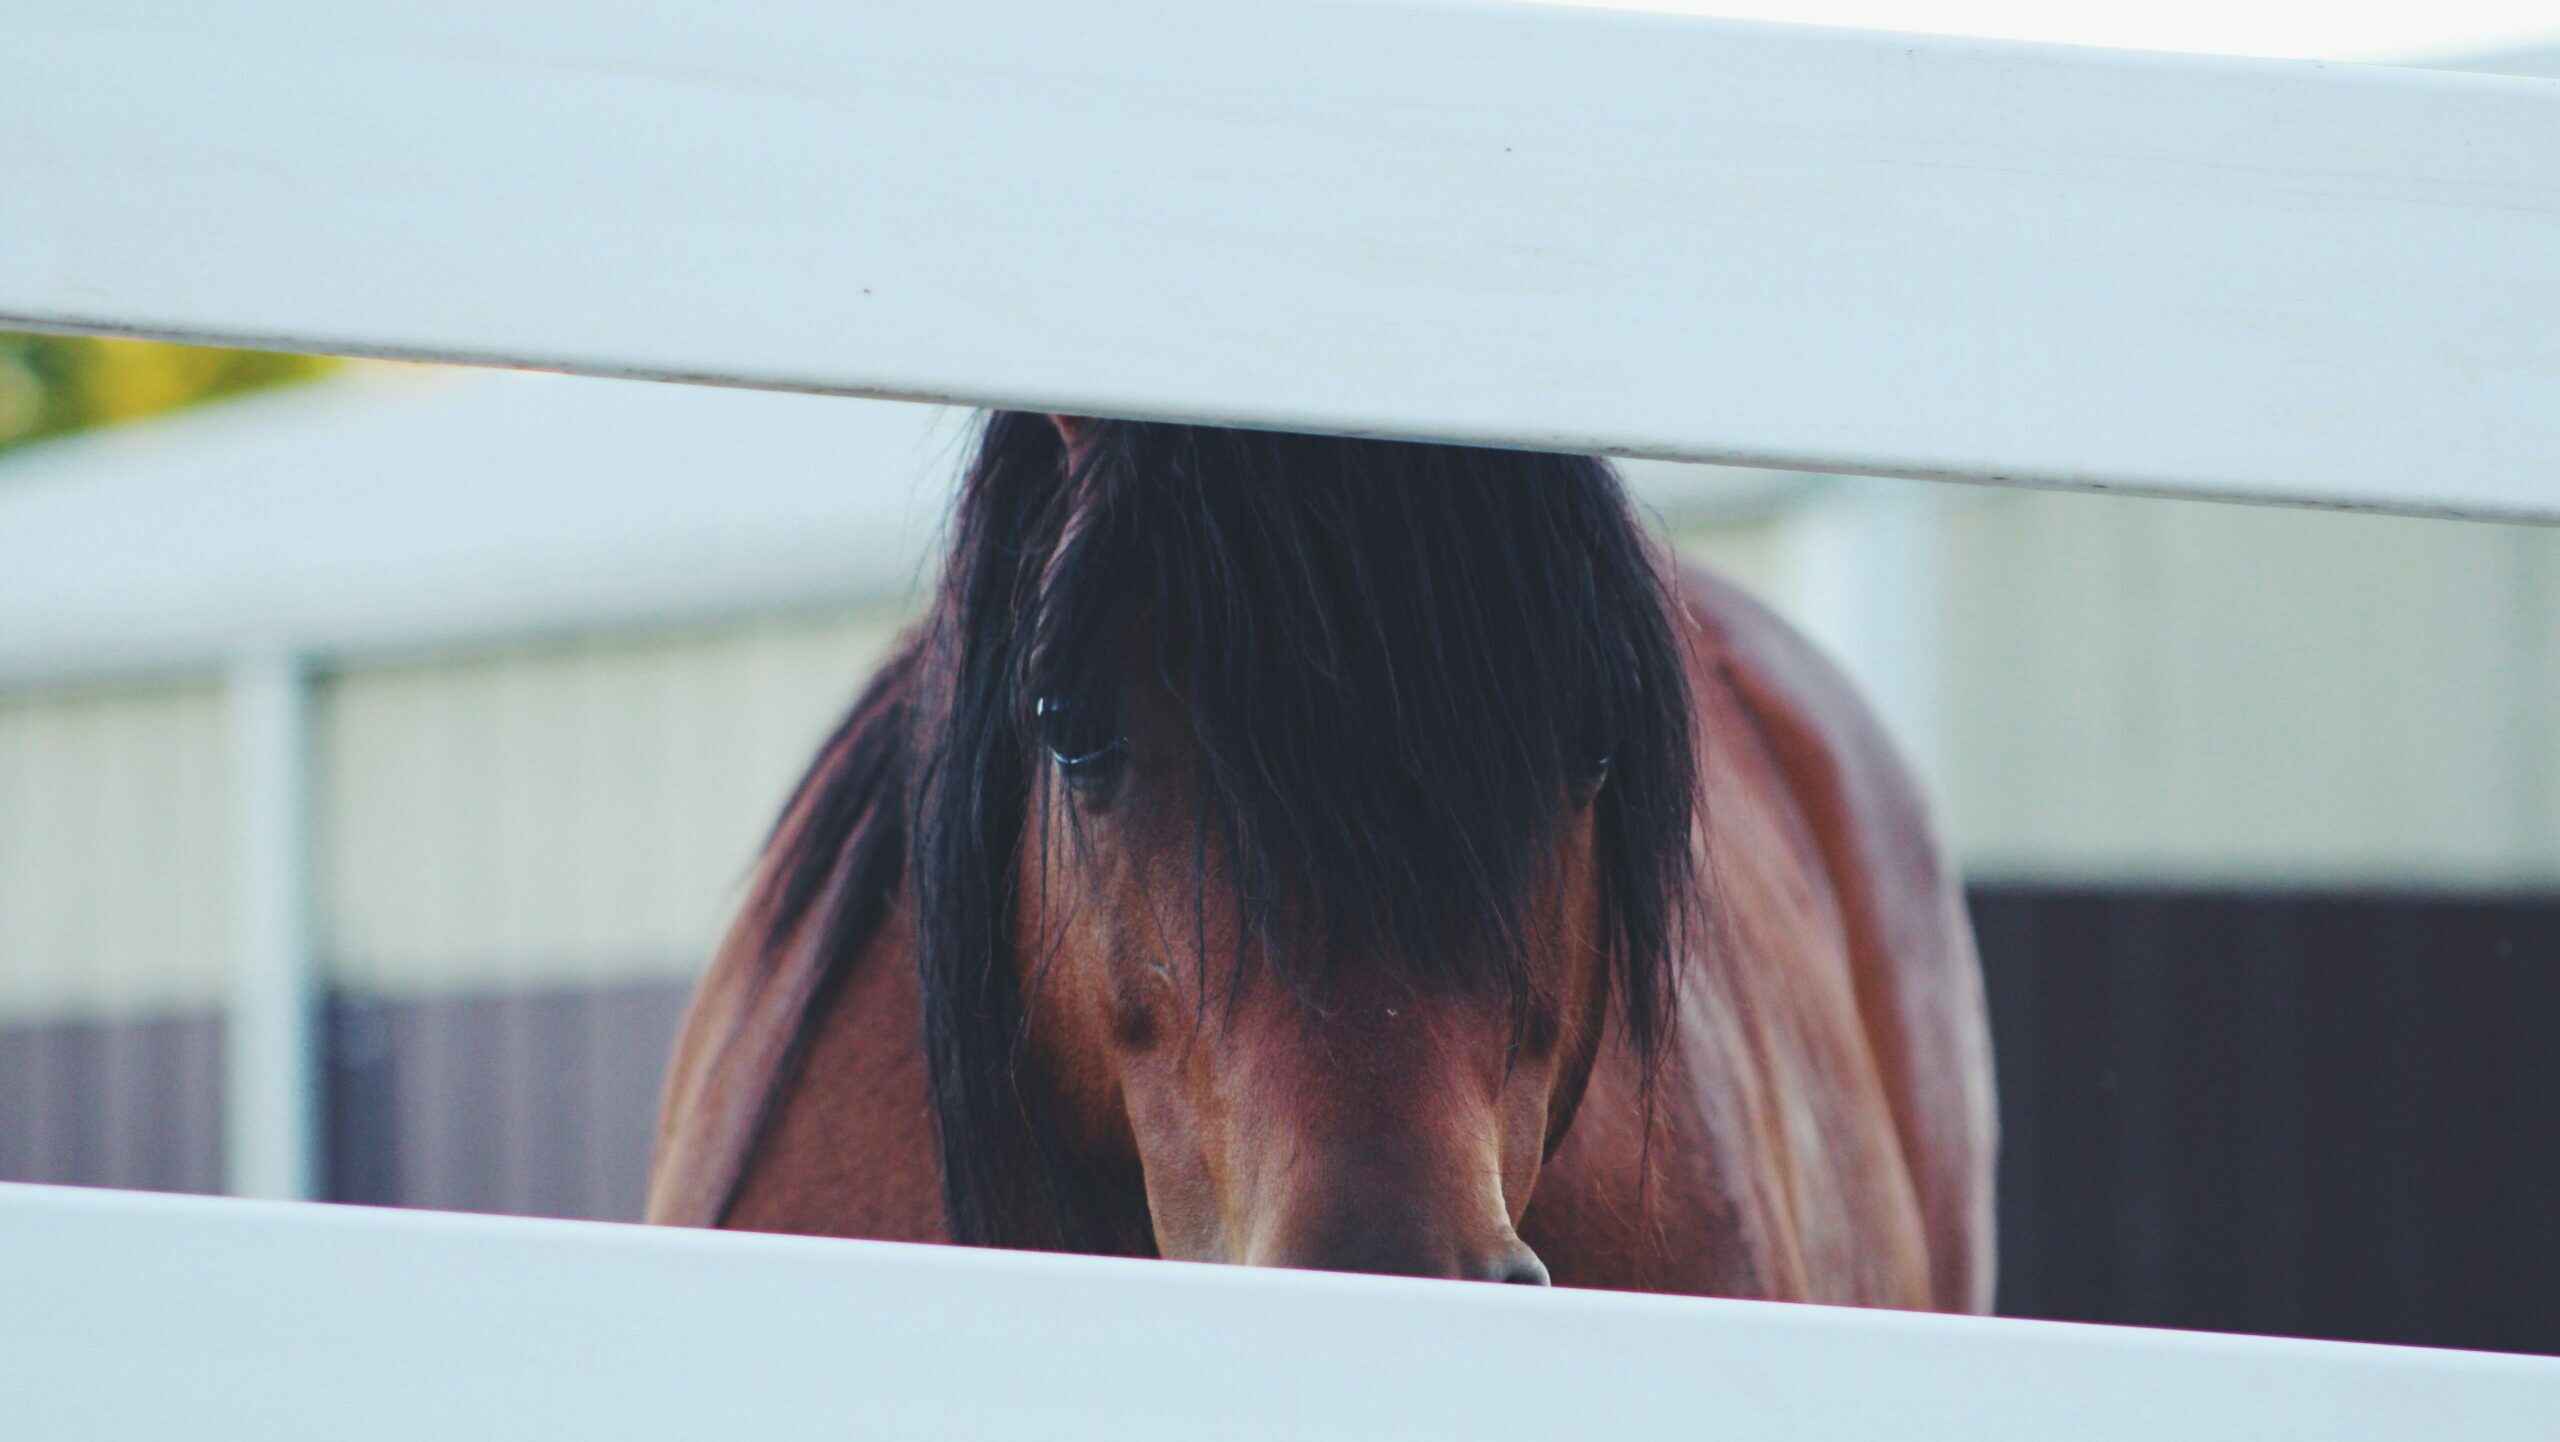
(1595, 773)
(1079, 738)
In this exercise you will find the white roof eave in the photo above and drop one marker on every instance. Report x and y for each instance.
(395, 512)
(365, 515)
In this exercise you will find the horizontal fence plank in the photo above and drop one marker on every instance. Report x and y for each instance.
(145, 1316)
(1549, 227)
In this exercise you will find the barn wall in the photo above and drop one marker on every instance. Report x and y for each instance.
(528, 858)
(578, 812)
(115, 935)
(2222, 694)
(133, 1101)
(1753, 552)
(530, 1100)
(2302, 1113)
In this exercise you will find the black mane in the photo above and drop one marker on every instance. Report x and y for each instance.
(1402, 664)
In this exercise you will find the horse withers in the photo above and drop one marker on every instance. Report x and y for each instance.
(1355, 855)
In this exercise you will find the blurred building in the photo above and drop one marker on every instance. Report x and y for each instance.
(455, 708)
(450, 711)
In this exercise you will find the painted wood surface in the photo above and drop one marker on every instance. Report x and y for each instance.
(272, 1320)
(1577, 229)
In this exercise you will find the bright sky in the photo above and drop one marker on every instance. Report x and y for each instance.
(2405, 30)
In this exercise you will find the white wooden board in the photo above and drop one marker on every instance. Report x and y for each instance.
(133, 1316)
(1582, 229)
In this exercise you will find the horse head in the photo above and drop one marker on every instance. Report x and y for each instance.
(1292, 820)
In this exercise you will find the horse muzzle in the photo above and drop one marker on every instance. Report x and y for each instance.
(1395, 1247)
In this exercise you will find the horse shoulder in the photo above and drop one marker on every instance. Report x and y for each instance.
(1910, 946)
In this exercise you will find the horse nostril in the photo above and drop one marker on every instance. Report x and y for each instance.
(1399, 1247)
(1520, 1267)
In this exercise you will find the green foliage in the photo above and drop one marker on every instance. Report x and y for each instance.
(50, 384)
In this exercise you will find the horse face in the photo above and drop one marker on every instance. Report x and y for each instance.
(1356, 1123)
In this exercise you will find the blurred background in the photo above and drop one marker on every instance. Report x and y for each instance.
(444, 711)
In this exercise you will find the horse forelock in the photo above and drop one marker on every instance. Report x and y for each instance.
(1397, 662)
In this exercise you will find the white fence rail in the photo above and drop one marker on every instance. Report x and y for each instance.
(136, 1317)
(1513, 223)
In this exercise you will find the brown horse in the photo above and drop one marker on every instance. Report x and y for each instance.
(1354, 855)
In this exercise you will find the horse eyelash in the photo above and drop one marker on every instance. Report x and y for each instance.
(1047, 706)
